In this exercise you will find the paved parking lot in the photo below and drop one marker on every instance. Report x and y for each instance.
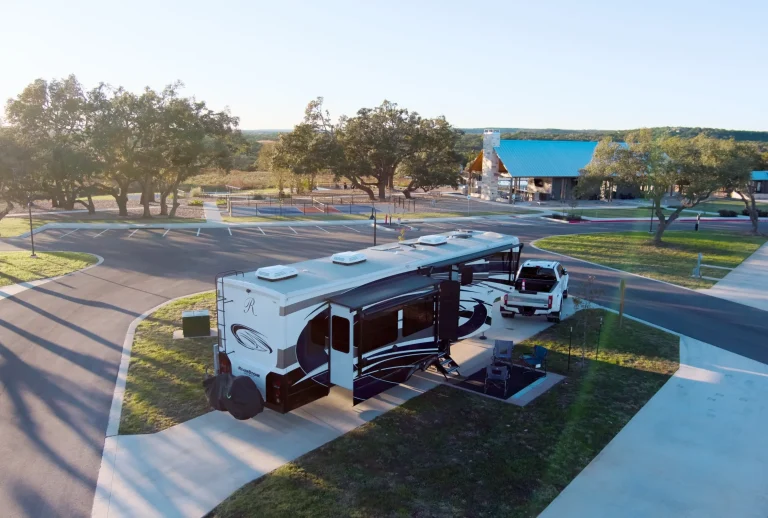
(255, 232)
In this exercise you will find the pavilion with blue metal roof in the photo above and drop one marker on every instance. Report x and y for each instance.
(553, 165)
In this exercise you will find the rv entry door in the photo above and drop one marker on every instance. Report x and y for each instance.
(342, 351)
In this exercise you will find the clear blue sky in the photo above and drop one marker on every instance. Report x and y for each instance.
(502, 63)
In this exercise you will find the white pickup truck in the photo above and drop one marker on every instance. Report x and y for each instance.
(540, 288)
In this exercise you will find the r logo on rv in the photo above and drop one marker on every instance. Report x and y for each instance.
(249, 304)
(250, 339)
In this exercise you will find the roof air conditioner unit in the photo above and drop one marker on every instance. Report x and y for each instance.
(276, 273)
(433, 240)
(348, 258)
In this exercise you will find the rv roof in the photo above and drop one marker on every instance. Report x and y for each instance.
(323, 276)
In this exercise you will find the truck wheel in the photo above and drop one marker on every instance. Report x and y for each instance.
(554, 317)
(507, 315)
(565, 294)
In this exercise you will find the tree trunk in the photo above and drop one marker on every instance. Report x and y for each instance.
(8, 208)
(754, 216)
(175, 202)
(147, 195)
(164, 203)
(382, 190)
(91, 206)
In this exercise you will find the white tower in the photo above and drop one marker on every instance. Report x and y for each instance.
(489, 190)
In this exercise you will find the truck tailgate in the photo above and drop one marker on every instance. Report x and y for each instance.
(537, 301)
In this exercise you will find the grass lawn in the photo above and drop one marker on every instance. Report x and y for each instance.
(12, 227)
(673, 262)
(164, 387)
(617, 213)
(16, 267)
(454, 453)
(714, 206)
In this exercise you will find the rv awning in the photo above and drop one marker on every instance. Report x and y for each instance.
(387, 292)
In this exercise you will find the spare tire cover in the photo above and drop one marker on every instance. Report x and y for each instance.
(244, 399)
(217, 389)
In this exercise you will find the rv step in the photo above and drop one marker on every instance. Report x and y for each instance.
(446, 365)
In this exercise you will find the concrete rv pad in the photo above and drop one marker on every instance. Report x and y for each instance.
(190, 468)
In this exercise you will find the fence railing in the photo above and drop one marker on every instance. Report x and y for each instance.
(699, 264)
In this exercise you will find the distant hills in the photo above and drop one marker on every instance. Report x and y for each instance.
(472, 134)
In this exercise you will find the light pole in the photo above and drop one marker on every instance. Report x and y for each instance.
(31, 230)
(373, 217)
(650, 230)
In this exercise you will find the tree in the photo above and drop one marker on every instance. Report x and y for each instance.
(696, 168)
(436, 162)
(17, 184)
(742, 159)
(196, 138)
(375, 142)
(54, 120)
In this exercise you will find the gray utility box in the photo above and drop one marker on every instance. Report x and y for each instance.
(196, 323)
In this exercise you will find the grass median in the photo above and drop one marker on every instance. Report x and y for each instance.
(454, 453)
(673, 262)
(163, 387)
(13, 227)
(16, 267)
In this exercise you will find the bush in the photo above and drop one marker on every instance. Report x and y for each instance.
(760, 213)
(569, 217)
(221, 202)
(195, 203)
(725, 213)
(196, 192)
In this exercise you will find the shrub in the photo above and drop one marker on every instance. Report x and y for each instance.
(196, 192)
(569, 217)
(760, 213)
(195, 203)
(725, 213)
(221, 202)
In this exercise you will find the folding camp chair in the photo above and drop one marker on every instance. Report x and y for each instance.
(502, 352)
(537, 360)
(496, 375)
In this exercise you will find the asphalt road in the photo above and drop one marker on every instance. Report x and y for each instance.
(60, 343)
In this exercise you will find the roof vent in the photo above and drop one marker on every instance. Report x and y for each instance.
(492, 235)
(276, 273)
(433, 240)
(348, 258)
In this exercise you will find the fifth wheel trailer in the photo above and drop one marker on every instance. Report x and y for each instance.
(364, 320)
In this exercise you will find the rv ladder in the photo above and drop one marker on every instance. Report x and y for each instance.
(446, 365)
(221, 300)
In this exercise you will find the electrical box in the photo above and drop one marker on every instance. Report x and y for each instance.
(196, 323)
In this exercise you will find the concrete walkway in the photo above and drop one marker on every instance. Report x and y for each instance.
(190, 468)
(212, 212)
(747, 283)
(698, 448)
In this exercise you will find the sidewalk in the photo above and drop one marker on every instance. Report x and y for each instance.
(190, 468)
(212, 212)
(747, 283)
(698, 448)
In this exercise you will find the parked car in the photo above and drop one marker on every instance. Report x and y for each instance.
(540, 288)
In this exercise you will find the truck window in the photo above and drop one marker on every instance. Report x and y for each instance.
(537, 273)
(340, 334)
(418, 316)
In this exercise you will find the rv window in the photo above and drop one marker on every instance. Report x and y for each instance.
(319, 328)
(340, 334)
(378, 330)
(418, 316)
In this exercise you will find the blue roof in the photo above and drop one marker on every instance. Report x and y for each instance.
(545, 158)
(760, 176)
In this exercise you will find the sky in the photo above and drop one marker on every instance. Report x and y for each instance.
(504, 63)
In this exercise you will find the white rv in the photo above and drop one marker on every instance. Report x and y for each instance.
(364, 320)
